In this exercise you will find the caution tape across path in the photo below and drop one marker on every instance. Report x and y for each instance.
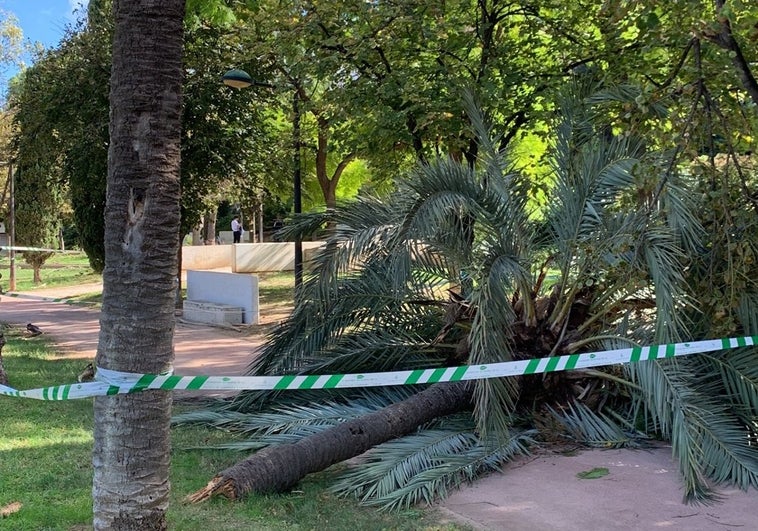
(110, 382)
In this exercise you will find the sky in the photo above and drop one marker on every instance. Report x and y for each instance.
(42, 20)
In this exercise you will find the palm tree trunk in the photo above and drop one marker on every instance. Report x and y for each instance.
(278, 468)
(131, 435)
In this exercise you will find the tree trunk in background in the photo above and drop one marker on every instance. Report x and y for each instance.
(278, 468)
(197, 236)
(209, 228)
(131, 450)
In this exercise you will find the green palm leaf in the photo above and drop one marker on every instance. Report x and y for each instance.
(425, 466)
(707, 440)
(587, 427)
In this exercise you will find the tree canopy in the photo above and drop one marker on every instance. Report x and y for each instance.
(383, 83)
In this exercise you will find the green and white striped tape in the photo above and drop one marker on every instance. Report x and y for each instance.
(115, 382)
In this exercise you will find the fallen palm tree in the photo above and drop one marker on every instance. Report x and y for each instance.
(456, 270)
(279, 468)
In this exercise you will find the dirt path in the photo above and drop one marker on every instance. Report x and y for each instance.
(199, 349)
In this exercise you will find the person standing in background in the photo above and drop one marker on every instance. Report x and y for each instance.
(236, 229)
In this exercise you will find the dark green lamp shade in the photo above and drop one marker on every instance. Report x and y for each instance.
(237, 79)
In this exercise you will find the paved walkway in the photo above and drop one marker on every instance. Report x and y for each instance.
(642, 490)
(75, 328)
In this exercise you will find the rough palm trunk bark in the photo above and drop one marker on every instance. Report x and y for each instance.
(278, 468)
(131, 450)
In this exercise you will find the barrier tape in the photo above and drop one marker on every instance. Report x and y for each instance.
(39, 249)
(41, 298)
(114, 382)
(21, 248)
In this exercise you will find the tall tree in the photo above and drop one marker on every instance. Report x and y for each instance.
(11, 46)
(142, 218)
(40, 191)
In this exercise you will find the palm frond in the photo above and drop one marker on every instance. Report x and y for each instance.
(626, 93)
(736, 373)
(727, 456)
(587, 427)
(489, 341)
(317, 329)
(747, 312)
(285, 421)
(664, 261)
(707, 440)
(677, 206)
(425, 466)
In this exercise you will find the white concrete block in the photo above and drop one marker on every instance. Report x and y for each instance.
(226, 288)
(212, 313)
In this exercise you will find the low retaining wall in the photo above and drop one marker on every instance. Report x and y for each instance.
(261, 257)
(247, 257)
(226, 288)
(206, 256)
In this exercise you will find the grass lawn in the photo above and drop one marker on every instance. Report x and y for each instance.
(45, 466)
(61, 269)
(46, 448)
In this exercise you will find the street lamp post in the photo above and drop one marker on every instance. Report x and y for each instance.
(12, 229)
(298, 205)
(240, 79)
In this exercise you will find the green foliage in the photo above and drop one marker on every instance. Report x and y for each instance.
(62, 117)
(725, 269)
(383, 83)
(39, 191)
(424, 467)
(452, 270)
(11, 37)
(590, 428)
(227, 149)
(594, 473)
(65, 96)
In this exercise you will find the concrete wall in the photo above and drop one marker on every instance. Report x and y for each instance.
(260, 257)
(247, 257)
(206, 256)
(226, 288)
(228, 237)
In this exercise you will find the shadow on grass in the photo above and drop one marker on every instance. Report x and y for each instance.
(46, 467)
(45, 447)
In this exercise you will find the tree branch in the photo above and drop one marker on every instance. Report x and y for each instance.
(725, 39)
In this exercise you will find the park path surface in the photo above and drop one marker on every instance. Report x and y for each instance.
(641, 491)
(74, 328)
